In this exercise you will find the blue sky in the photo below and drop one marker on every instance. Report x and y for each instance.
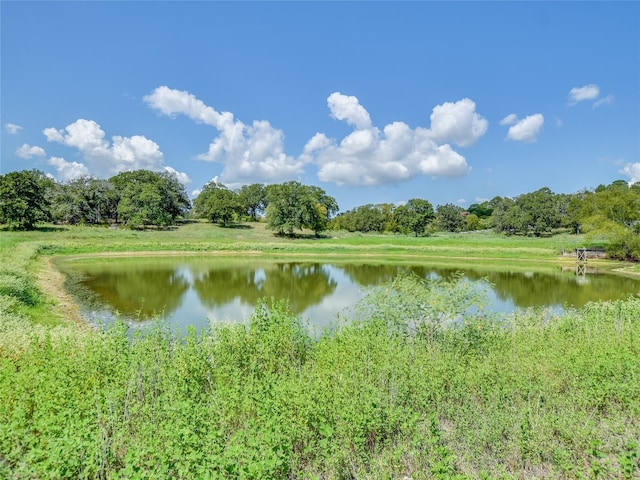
(454, 102)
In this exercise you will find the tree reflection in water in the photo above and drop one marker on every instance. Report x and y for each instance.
(139, 293)
(303, 285)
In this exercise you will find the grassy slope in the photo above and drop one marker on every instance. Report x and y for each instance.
(544, 398)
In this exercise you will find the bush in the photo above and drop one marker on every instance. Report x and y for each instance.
(625, 247)
(15, 285)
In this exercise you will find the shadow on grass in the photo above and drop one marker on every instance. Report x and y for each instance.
(50, 228)
(302, 236)
(237, 226)
(41, 228)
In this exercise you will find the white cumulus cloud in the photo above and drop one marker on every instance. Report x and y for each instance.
(632, 170)
(580, 94)
(318, 142)
(103, 158)
(608, 100)
(371, 156)
(527, 129)
(458, 122)
(182, 177)
(171, 102)
(68, 170)
(346, 107)
(250, 153)
(12, 128)
(509, 119)
(28, 151)
(367, 156)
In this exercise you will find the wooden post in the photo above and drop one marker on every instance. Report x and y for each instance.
(581, 262)
(581, 255)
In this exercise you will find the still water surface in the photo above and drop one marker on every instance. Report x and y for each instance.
(196, 291)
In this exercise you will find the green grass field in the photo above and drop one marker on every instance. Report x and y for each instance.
(203, 237)
(394, 394)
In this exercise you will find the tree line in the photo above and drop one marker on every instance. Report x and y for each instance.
(610, 212)
(135, 199)
(143, 198)
(287, 207)
(416, 217)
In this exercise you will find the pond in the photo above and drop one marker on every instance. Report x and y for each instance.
(199, 290)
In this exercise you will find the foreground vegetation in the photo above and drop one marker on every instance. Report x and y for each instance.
(421, 384)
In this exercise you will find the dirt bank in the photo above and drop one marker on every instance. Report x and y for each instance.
(51, 283)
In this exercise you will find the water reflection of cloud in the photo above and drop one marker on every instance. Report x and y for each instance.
(259, 277)
(235, 311)
(341, 302)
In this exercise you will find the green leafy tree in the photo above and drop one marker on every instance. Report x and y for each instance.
(365, 218)
(414, 216)
(84, 200)
(388, 213)
(324, 207)
(149, 198)
(218, 204)
(23, 199)
(618, 202)
(449, 218)
(612, 213)
(481, 210)
(562, 202)
(534, 213)
(340, 222)
(66, 205)
(575, 210)
(373, 218)
(541, 211)
(175, 198)
(102, 200)
(402, 219)
(293, 206)
(508, 216)
(473, 222)
(253, 199)
(141, 205)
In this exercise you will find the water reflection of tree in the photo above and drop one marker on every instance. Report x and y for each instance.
(217, 287)
(535, 289)
(367, 275)
(524, 290)
(303, 284)
(141, 293)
